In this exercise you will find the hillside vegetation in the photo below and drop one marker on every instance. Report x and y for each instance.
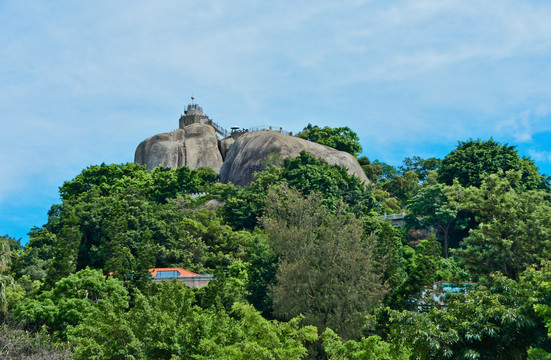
(305, 266)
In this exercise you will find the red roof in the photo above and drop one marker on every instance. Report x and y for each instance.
(181, 272)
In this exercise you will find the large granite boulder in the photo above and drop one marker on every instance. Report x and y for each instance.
(247, 154)
(225, 145)
(195, 146)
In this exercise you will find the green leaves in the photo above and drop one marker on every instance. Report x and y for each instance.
(341, 138)
(165, 324)
(305, 173)
(493, 322)
(514, 228)
(368, 348)
(431, 205)
(261, 339)
(71, 301)
(473, 159)
(325, 270)
(159, 185)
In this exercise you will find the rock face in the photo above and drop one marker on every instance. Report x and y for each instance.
(246, 155)
(225, 145)
(195, 146)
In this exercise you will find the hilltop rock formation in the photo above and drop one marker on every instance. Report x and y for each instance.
(246, 155)
(194, 145)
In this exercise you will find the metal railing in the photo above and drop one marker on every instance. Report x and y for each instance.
(392, 216)
(223, 132)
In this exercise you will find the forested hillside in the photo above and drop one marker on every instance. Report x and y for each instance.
(305, 266)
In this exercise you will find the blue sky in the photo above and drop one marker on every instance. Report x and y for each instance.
(83, 83)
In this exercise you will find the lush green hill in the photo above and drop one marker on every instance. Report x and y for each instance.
(304, 266)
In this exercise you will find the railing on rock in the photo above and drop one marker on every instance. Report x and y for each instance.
(271, 128)
(224, 133)
(219, 129)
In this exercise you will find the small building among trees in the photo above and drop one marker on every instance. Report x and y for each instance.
(191, 279)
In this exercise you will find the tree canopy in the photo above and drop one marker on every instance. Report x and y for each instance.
(341, 138)
(514, 227)
(474, 158)
(303, 264)
(322, 255)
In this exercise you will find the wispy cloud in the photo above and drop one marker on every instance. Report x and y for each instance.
(524, 125)
(540, 156)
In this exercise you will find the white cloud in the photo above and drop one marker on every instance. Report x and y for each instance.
(540, 156)
(524, 125)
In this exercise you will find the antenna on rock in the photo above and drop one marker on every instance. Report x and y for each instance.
(192, 98)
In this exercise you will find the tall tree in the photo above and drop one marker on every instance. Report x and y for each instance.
(5, 278)
(423, 273)
(325, 270)
(66, 248)
(431, 206)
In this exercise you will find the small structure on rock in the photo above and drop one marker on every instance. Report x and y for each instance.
(193, 115)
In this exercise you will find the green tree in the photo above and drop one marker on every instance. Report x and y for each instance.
(158, 185)
(306, 173)
(70, 301)
(262, 270)
(420, 166)
(5, 278)
(422, 274)
(377, 171)
(473, 159)
(165, 323)
(514, 227)
(431, 206)
(261, 339)
(325, 270)
(388, 251)
(65, 254)
(497, 321)
(120, 263)
(539, 277)
(309, 174)
(368, 348)
(341, 138)
(227, 288)
(103, 176)
(36, 257)
(402, 187)
(373, 171)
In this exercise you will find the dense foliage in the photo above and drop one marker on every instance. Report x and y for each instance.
(473, 159)
(322, 255)
(304, 263)
(341, 138)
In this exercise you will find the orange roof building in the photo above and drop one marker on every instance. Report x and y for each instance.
(189, 278)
